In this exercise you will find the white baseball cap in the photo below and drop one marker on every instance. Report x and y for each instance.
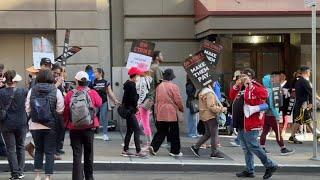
(82, 75)
(17, 78)
(236, 73)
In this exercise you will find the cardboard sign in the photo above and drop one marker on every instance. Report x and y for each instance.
(72, 51)
(197, 68)
(65, 48)
(42, 48)
(139, 60)
(141, 55)
(143, 47)
(212, 52)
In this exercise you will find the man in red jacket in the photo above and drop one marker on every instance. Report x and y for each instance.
(82, 137)
(249, 127)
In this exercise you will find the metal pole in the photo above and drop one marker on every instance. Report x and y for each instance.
(314, 79)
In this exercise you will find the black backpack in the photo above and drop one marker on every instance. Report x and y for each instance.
(41, 111)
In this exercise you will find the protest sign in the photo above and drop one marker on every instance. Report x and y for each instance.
(42, 48)
(65, 48)
(72, 51)
(197, 68)
(212, 52)
(141, 55)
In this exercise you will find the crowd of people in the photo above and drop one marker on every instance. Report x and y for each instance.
(50, 106)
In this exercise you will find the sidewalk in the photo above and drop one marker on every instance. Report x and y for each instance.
(107, 157)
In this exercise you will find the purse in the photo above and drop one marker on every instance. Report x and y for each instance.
(147, 104)
(180, 115)
(194, 106)
(123, 111)
(221, 117)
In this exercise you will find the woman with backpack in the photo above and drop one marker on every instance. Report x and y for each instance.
(103, 87)
(80, 118)
(44, 105)
(168, 105)
(14, 123)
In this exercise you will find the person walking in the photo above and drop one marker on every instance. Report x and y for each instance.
(80, 118)
(209, 111)
(273, 116)
(249, 127)
(44, 104)
(130, 103)
(103, 87)
(14, 126)
(144, 105)
(303, 105)
(193, 109)
(168, 105)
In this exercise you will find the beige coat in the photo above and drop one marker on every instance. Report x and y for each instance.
(208, 105)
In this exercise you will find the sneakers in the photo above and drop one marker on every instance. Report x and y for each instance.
(266, 151)
(106, 137)
(294, 140)
(151, 151)
(245, 174)
(286, 152)
(269, 172)
(195, 151)
(21, 176)
(126, 154)
(176, 155)
(217, 155)
(14, 178)
(141, 154)
(234, 144)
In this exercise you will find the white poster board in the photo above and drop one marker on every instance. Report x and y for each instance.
(42, 47)
(138, 60)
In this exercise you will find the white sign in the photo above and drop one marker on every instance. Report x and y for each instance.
(42, 48)
(138, 60)
(309, 3)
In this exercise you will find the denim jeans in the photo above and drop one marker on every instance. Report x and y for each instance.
(14, 139)
(192, 123)
(103, 116)
(250, 145)
(3, 150)
(82, 143)
(45, 144)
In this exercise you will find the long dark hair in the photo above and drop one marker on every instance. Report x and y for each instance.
(45, 76)
(101, 71)
(9, 75)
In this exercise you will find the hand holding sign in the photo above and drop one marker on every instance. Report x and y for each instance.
(141, 55)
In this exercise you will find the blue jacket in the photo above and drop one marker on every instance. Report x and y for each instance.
(268, 84)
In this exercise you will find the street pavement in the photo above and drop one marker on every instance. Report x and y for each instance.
(107, 157)
(116, 175)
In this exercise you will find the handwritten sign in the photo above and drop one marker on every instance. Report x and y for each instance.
(42, 48)
(212, 52)
(198, 70)
(141, 55)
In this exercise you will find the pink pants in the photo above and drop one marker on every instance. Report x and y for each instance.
(143, 116)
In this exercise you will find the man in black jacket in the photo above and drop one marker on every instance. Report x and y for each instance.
(303, 105)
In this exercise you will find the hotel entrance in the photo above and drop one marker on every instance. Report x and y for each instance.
(264, 54)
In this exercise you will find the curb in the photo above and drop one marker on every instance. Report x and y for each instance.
(165, 166)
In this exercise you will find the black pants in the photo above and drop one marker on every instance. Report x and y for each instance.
(211, 131)
(60, 138)
(45, 144)
(132, 128)
(82, 143)
(14, 139)
(169, 130)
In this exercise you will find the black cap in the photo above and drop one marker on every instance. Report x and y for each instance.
(304, 68)
(169, 75)
(45, 61)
